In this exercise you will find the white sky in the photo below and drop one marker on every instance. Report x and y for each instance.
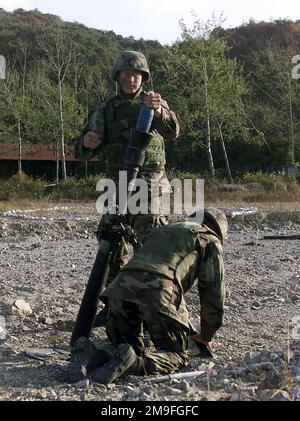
(157, 19)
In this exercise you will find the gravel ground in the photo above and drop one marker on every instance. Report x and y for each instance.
(46, 262)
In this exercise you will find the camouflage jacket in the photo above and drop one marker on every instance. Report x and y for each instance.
(180, 253)
(113, 120)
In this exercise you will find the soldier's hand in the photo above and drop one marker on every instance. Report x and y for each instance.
(153, 100)
(203, 346)
(91, 140)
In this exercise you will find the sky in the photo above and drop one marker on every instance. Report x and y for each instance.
(157, 19)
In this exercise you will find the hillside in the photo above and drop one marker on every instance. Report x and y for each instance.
(253, 104)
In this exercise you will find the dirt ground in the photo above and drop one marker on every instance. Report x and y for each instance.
(45, 259)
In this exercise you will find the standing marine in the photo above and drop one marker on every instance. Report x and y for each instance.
(107, 134)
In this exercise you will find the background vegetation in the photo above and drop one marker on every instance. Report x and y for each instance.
(232, 89)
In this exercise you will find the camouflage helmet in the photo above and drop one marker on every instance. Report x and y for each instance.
(216, 220)
(131, 60)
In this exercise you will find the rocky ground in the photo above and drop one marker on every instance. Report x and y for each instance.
(45, 260)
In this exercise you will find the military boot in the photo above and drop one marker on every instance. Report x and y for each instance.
(84, 358)
(123, 362)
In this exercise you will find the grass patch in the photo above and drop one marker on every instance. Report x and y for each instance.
(20, 186)
(20, 190)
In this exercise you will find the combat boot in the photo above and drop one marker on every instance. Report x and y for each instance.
(84, 358)
(123, 362)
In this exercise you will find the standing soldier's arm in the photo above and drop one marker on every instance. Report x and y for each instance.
(88, 144)
(211, 290)
(167, 124)
(165, 120)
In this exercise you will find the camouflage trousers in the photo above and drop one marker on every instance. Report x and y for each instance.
(170, 338)
(142, 225)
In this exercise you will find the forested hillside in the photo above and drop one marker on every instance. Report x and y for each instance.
(233, 90)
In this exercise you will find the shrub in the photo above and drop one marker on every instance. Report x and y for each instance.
(276, 188)
(21, 186)
(273, 182)
(75, 189)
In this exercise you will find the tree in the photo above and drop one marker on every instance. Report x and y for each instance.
(280, 94)
(15, 92)
(57, 44)
(229, 113)
(208, 86)
(47, 117)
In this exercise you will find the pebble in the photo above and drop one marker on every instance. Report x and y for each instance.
(35, 245)
(174, 391)
(39, 353)
(21, 308)
(25, 328)
(45, 320)
(52, 392)
(134, 392)
(43, 394)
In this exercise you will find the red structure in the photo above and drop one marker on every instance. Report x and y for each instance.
(32, 152)
(40, 160)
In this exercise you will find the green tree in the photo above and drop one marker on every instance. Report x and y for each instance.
(58, 46)
(207, 87)
(15, 91)
(280, 94)
(47, 118)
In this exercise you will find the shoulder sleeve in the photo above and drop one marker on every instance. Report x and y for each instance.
(96, 123)
(167, 125)
(80, 152)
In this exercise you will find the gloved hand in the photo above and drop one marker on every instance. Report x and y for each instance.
(153, 100)
(203, 346)
(91, 140)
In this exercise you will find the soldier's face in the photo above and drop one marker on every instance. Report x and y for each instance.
(130, 81)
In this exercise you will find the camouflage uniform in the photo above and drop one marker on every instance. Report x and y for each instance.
(112, 122)
(150, 288)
